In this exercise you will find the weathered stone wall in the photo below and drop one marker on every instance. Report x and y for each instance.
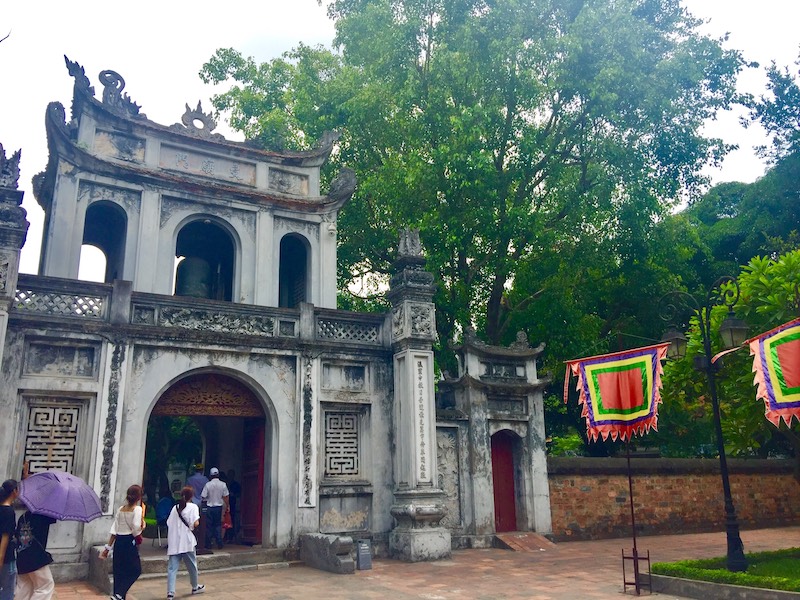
(589, 496)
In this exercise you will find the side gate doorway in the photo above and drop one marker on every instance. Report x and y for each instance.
(234, 430)
(505, 496)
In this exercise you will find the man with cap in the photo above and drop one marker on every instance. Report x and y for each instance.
(197, 482)
(215, 493)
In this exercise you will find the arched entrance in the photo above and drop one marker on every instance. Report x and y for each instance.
(234, 431)
(505, 495)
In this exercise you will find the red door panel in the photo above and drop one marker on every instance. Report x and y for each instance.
(505, 504)
(252, 480)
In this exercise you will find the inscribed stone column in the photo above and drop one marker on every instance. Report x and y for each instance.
(418, 504)
(13, 229)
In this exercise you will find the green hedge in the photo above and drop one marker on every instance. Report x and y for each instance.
(784, 562)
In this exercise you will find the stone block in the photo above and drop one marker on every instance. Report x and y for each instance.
(417, 545)
(327, 552)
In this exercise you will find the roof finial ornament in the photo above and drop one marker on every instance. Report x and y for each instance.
(9, 169)
(113, 84)
(409, 246)
(197, 123)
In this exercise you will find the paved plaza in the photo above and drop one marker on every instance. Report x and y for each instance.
(566, 571)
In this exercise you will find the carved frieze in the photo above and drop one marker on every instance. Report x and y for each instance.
(204, 320)
(89, 191)
(309, 230)
(422, 320)
(306, 483)
(181, 159)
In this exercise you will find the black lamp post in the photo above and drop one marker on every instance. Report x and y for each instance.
(733, 331)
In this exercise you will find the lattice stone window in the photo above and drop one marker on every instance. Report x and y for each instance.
(349, 331)
(342, 458)
(51, 435)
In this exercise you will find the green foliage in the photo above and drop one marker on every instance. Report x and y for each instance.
(170, 440)
(779, 570)
(779, 112)
(508, 132)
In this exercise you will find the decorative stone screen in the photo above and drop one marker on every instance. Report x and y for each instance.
(342, 444)
(51, 435)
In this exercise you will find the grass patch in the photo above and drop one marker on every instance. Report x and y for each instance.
(777, 570)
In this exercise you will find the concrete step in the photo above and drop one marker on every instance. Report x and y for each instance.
(523, 541)
(154, 562)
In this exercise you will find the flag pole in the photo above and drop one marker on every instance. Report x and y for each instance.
(633, 516)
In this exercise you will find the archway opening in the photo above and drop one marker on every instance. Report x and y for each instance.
(206, 259)
(504, 478)
(224, 426)
(105, 228)
(293, 274)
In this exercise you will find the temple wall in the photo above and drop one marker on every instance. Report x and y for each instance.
(589, 496)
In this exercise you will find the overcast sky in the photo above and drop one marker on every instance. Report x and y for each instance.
(159, 47)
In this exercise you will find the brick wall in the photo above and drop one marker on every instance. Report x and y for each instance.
(589, 496)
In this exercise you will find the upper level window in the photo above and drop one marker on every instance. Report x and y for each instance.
(204, 269)
(293, 274)
(104, 228)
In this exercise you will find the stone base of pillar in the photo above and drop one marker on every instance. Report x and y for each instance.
(417, 545)
(418, 536)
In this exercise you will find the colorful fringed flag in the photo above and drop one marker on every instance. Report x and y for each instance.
(776, 365)
(620, 392)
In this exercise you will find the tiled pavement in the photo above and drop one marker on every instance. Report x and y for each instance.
(568, 571)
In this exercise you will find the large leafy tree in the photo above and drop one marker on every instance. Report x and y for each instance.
(511, 132)
(778, 111)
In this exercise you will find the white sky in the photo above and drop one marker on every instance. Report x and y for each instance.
(159, 47)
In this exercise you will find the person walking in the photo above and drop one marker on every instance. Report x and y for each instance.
(215, 493)
(128, 523)
(34, 579)
(181, 542)
(8, 556)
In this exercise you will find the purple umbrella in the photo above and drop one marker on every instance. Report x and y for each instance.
(61, 496)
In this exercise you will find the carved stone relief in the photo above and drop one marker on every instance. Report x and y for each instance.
(197, 123)
(308, 413)
(287, 182)
(59, 360)
(310, 230)
(172, 206)
(398, 322)
(4, 264)
(203, 320)
(119, 145)
(422, 320)
(110, 434)
(88, 191)
(449, 476)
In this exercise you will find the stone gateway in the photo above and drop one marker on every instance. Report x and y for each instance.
(218, 310)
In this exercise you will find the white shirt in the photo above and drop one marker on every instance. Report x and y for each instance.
(214, 491)
(128, 522)
(180, 538)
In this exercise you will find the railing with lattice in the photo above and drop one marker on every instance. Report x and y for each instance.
(60, 303)
(348, 331)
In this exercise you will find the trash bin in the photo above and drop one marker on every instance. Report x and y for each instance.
(363, 555)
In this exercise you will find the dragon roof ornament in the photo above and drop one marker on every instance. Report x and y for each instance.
(113, 84)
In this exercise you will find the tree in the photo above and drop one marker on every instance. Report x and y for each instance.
(779, 112)
(508, 131)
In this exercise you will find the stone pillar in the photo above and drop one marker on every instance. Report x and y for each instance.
(13, 229)
(418, 504)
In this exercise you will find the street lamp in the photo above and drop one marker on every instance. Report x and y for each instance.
(733, 331)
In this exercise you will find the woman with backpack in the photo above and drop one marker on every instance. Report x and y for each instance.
(34, 579)
(181, 542)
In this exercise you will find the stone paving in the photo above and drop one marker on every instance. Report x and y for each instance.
(567, 571)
